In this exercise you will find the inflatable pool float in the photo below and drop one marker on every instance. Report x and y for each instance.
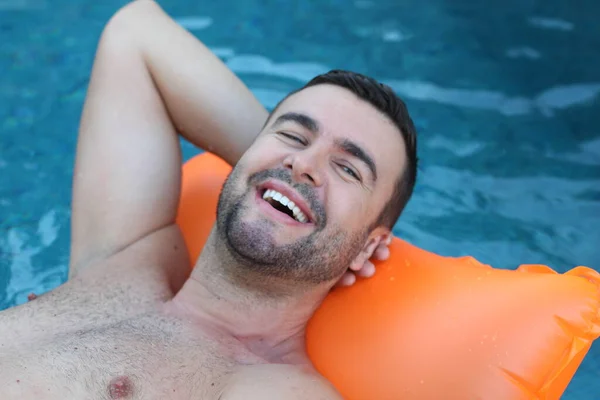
(433, 327)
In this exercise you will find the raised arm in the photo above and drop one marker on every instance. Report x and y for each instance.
(150, 80)
(206, 102)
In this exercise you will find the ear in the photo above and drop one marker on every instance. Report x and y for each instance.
(378, 236)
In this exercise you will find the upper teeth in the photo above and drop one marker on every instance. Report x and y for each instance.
(275, 195)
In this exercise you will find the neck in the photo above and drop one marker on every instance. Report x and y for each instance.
(268, 316)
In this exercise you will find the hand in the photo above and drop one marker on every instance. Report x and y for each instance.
(367, 270)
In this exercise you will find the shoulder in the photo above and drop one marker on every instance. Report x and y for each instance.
(278, 382)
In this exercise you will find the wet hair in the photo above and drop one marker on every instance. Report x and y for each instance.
(383, 98)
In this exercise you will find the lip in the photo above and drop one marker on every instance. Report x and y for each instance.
(282, 217)
(290, 194)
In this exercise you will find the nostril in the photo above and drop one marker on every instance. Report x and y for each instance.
(309, 177)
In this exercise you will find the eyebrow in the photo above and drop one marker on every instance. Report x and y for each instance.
(301, 119)
(346, 145)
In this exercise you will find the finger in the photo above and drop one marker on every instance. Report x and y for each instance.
(388, 240)
(367, 271)
(381, 253)
(347, 279)
(355, 266)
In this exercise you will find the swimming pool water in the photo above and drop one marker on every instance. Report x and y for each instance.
(505, 94)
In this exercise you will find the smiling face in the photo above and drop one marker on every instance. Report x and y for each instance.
(301, 203)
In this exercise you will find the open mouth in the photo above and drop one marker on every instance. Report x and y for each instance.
(284, 205)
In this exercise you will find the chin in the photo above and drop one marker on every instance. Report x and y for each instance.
(253, 241)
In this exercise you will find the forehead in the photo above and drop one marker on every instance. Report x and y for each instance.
(342, 115)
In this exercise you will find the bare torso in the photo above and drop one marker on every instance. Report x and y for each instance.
(111, 333)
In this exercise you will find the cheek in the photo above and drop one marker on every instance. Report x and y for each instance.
(349, 208)
(262, 154)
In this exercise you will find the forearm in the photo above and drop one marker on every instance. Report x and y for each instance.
(206, 102)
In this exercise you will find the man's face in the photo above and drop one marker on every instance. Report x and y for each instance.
(337, 159)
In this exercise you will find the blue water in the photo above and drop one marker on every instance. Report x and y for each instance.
(505, 94)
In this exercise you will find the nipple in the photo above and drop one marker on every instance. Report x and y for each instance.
(120, 387)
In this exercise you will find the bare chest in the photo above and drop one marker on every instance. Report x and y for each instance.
(146, 357)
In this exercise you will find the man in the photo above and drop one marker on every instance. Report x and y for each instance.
(129, 324)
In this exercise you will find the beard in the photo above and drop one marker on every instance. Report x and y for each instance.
(322, 256)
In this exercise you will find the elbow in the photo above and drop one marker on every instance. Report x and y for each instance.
(131, 19)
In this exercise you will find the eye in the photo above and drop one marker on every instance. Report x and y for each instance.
(349, 171)
(293, 137)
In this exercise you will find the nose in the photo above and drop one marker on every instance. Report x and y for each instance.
(306, 167)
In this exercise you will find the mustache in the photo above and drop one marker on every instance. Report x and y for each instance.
(305, 190)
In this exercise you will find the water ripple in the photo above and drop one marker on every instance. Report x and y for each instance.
(301, 71)
(546, 102)
(194, 23)
(8, 5)
(551, 23)
(20, 249)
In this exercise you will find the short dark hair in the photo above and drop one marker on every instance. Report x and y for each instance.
(383, 98)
